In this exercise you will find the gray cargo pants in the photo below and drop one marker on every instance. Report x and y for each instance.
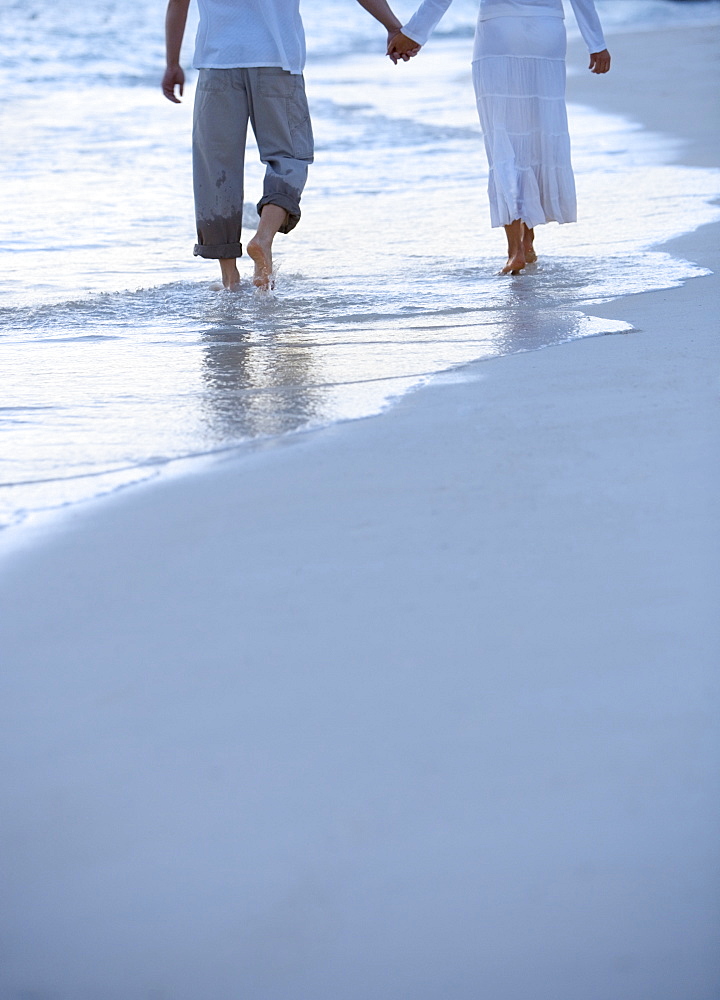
(274, 102)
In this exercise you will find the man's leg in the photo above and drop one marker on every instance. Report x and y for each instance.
(281, 122)
(219, 133)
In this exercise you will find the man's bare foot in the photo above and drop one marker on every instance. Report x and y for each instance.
(230, 276)
(261, 253)
(515, 263)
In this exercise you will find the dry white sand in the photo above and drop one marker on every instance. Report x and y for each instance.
(417, 707)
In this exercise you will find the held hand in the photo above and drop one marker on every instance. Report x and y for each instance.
(401, 47)
(173, 77)
(599, 61)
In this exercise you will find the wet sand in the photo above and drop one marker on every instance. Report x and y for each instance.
(417, 706)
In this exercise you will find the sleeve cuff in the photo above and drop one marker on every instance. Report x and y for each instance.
(413, 34)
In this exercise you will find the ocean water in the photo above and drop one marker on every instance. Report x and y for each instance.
(120, 363)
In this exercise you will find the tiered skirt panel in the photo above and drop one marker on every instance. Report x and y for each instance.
(519, 77)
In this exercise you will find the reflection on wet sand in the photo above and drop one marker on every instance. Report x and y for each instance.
(532, 320)
(277, 378)
(257, 387)
(214, 371)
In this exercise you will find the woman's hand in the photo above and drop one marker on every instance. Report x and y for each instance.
(402, 47)
(599, 61)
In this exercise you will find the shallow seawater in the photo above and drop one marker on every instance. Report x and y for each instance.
(118, 360)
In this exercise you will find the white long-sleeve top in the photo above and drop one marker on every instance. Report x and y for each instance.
(243, 33)
(424, 20)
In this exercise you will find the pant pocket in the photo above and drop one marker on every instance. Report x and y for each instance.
(275, 82)
(282, 113)
(300, 125)
(214, 81)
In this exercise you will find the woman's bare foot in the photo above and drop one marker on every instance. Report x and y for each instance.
(230, 276)
(528, 239)
(261, 253)
(516, 252)
(515, 263)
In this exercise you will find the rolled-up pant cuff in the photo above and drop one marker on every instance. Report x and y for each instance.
(282, 201)
(218, 250)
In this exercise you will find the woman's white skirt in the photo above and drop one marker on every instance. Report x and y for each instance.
(519, 77)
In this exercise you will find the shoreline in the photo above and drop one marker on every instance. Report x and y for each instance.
(31, 526)
(415, 705)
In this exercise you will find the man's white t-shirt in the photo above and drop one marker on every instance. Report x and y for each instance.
(243, 33)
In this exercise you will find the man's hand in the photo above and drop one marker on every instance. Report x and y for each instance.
(401, 47)
(175, 19)
(174, 76)
(599, 61)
